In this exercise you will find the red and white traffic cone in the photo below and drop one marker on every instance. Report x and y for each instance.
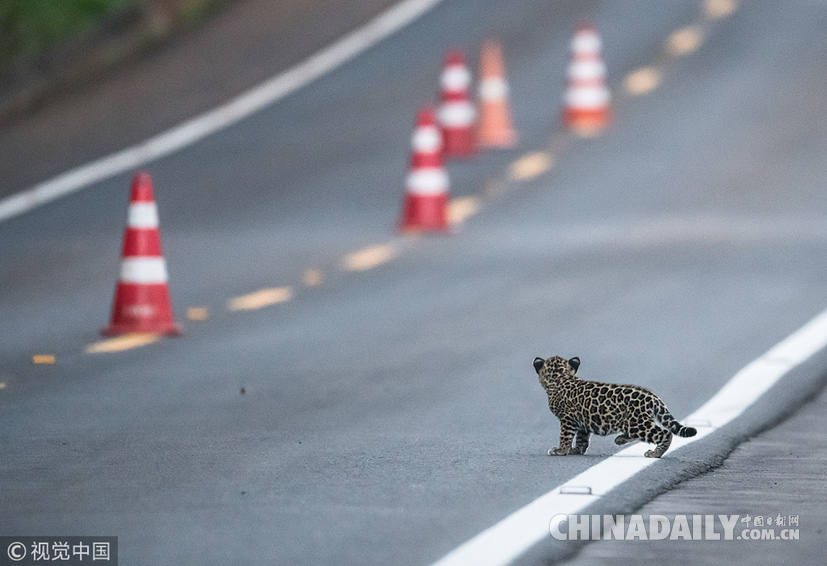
(426, 195)
(587, 100)
(141, 295)
(495, 128)
(457, 115)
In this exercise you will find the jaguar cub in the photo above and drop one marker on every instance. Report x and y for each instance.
(586, 407)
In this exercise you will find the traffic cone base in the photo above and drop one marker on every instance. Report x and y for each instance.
(425, 213)
(141, 308)
(586, 121)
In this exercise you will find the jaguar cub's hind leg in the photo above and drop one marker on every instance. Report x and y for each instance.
(581, 442)
(622, 439)
(653, 434)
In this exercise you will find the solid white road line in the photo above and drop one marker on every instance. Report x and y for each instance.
(511, 537)
(222, 117)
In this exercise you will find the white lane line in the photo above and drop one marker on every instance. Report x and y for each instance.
(244, 105)
(511, 537)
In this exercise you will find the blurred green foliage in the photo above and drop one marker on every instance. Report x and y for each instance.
(29, 26)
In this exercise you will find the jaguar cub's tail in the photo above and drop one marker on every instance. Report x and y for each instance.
(667, 420)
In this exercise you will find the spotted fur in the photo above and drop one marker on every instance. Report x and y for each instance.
(589, 407)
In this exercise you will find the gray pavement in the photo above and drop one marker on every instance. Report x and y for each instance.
(195, 71)
(390, 415)
(781, 472)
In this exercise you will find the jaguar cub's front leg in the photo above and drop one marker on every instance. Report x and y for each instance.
(567, 429)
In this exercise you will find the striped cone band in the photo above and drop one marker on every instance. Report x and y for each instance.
(588, 98)
(427, 181)
(142, 215)
(143, 270)
(459, 114)
(456, 80)
(493, 88)
(587, 71)
(586, 41)
(141, 188)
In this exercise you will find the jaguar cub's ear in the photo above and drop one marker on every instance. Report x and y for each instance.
(538, 364)
(574, 363)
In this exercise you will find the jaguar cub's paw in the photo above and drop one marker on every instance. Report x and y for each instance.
(622, 439)
(559, 451)
(577, 451)
(653, 454)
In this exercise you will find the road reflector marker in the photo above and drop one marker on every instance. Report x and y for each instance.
(43, 359)
(121, 343)
(197, 313)
(531, 166)
(642, 81)
(575, 490)
(683, 41)
(461, 208)
(368, 258)
(717, 9)
(2, 384)
(312, 277)
(261, 299)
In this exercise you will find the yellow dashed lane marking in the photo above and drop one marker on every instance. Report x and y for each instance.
(260, 299)
(46, 359)
(716, 9)
(642, 81)
(312, 277)
(120, 343)
(368, 258)
(684, 41)
(197, 313)
(461, 208)
(531, 165)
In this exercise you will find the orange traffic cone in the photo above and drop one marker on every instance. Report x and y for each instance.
(495, 128)
(587, 102)
(426, 195)
(141, 295)
(457, 115)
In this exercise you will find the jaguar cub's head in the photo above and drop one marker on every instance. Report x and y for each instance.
(555, 368)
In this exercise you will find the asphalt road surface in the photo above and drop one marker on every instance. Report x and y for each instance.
(391, 414)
